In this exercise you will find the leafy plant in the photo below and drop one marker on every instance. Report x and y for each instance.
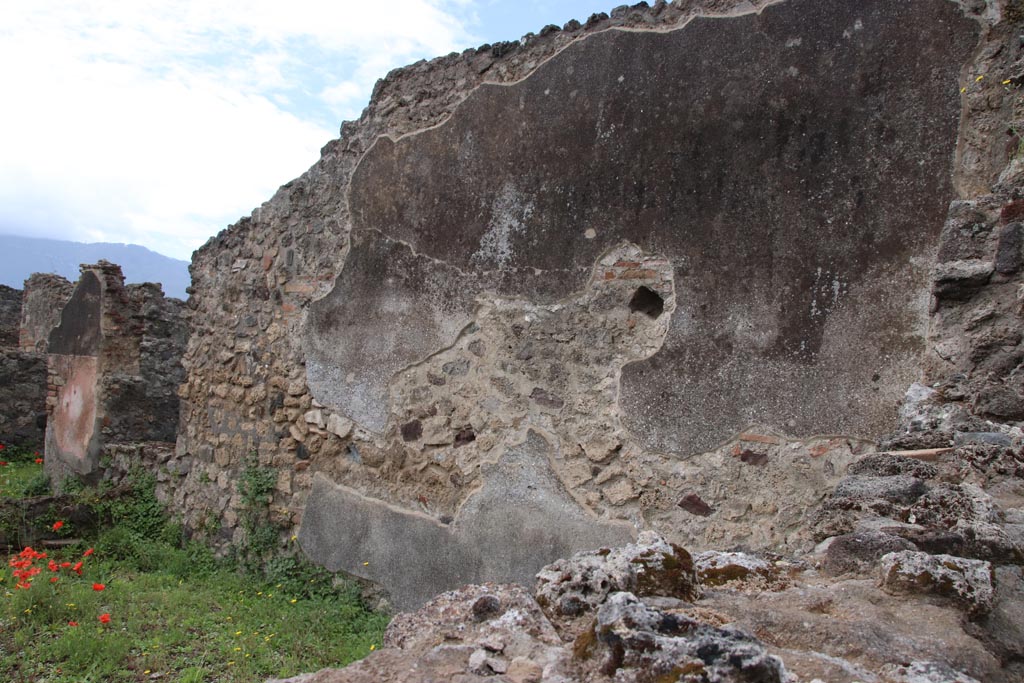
(255, 486)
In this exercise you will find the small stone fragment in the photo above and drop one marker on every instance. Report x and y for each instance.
(967, 582)
(695, 505)
(486, 607)
(339, 426)
(719, 568)
(544, 398)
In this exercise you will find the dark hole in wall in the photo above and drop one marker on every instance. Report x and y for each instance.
(648, 302)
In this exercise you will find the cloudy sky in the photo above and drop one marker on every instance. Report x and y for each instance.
(160, 122)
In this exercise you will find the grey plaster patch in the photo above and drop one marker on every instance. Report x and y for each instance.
(78, 333)
(519, 520)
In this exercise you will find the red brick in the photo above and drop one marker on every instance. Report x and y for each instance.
(645, 274)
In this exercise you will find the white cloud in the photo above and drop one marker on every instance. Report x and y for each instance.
(159, 122)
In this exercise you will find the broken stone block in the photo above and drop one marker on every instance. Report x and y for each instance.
(966, 582)
(340, 426)
(641, 643)
(861, 551)
(960, 279)
(651, 566)
(901, 488)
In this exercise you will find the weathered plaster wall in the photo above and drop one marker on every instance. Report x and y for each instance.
(45, 296)
(689, 260)
(114, 366)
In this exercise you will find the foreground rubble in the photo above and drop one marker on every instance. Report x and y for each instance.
(916, 578)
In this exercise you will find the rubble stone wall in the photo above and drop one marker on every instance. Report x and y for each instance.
(22, 377)
(10, 313)
(678, 263)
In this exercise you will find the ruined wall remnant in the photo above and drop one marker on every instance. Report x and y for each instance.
(114, 366)
(10, 313)
(44, 298)
(22, 377)
(676, 264)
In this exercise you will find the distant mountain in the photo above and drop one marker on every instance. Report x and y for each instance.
(22, 256)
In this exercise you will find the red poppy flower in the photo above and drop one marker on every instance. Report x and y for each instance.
(3, 463)
(57, 525)
(72, 623)
(98, 587)
(53, 566)
(65, 565)
(88, 552)
(104, 618)
(39, 461)
(77, 568)
(53, 579)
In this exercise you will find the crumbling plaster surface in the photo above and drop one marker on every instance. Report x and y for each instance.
(339, 331)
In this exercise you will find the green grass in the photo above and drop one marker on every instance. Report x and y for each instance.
(19, 478)
(210, 625)
(175, 611)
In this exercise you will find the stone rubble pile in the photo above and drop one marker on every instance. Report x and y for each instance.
(917, 579)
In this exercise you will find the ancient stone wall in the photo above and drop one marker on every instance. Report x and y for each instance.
(44, 298)
(670, 269)
(10, 314)
(114, 367)
(23, 378)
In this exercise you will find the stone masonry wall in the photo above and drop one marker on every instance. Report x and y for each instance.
(670, 269)
(23, 378)
(10, 313)
(114, 367)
